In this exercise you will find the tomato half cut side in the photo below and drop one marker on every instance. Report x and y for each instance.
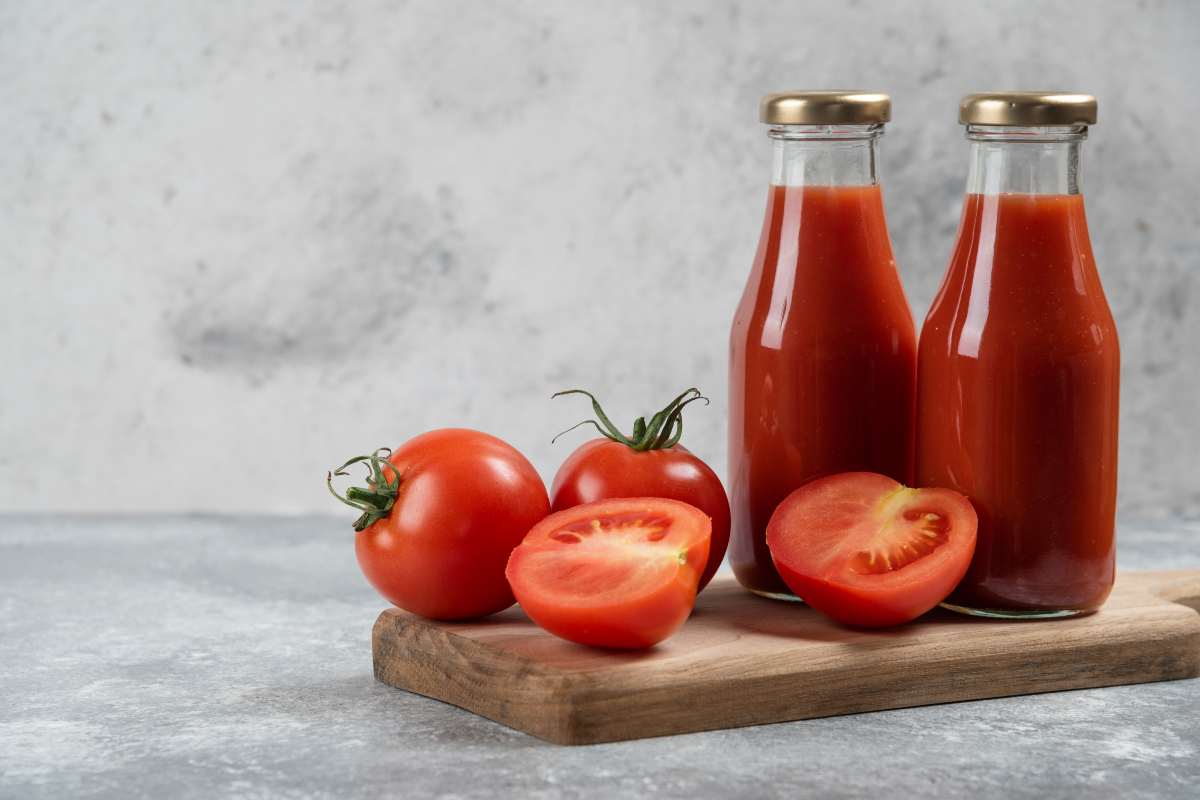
(615, 573)
(868, 551)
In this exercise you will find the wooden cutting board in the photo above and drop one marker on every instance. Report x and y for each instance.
(743, 660)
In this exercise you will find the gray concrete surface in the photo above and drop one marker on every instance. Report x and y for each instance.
(229, 657)
(224, 224)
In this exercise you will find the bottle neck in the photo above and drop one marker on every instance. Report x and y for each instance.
(1033, 160)
(825, 155)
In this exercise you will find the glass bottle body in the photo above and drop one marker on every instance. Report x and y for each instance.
(822, 348)
(1019, 371)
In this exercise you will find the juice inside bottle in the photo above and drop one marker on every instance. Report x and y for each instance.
(1019, 373)
(823, 348)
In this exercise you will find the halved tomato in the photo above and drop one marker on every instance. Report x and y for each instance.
(868, 551)
(615, 573)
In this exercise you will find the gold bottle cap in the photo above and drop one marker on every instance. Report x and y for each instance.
(1027, 108)
(850, 107)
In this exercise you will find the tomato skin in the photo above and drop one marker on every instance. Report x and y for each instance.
(466, 500)
(659, 616)
(821, 530)
(634, 615)
(852, 606)
(602, 469)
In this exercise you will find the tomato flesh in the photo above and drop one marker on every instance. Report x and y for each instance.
(616, 573)
(868, 551)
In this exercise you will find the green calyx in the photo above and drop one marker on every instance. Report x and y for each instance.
(376, 499)
(662, 431)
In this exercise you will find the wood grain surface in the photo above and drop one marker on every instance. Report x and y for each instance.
(743, 660)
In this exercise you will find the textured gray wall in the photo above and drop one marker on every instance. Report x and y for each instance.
(242, 240)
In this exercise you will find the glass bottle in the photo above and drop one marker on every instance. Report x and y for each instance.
(823, 348)
(1019, 367)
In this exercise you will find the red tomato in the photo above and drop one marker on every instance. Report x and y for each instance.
(618, 573)
(868, 551)
(655, 466)
(440, 518)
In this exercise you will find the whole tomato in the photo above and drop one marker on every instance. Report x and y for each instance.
(440, 517)
(648, 463)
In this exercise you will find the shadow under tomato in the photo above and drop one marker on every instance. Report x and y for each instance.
(816, 628)
(792, 620)
(509, 616)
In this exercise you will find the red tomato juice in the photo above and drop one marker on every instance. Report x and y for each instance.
(1017, 403)
(823, 361)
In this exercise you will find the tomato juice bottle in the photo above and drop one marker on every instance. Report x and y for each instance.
(1019, 367)
(823, 348)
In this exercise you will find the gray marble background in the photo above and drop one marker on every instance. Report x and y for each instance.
(241, 241)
